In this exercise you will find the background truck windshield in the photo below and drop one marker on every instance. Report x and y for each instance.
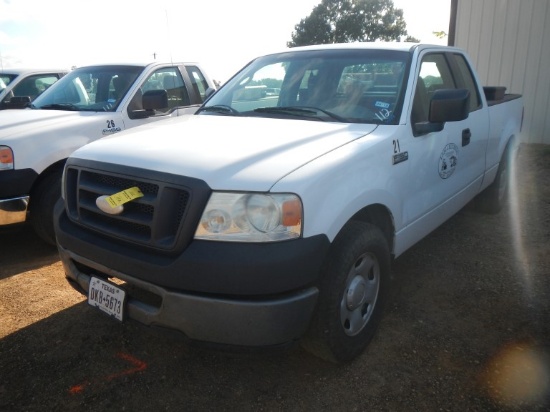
(90, 89)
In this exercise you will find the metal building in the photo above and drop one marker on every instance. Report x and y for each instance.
(509, 43)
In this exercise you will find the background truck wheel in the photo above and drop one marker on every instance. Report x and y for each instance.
(353, 289)
(42, 202)
(495, 196)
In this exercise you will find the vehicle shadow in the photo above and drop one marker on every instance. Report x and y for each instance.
(78, 359)
(22, 250)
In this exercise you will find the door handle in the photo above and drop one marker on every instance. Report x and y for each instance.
(466, 135)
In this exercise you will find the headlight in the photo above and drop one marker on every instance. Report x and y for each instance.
(6, 158)
(251, 217)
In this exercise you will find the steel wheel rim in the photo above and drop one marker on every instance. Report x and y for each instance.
(360, 294)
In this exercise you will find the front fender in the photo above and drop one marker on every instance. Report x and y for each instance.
(341, 183)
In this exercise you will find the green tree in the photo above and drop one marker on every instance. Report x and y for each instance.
(345, 21)
(411, 39)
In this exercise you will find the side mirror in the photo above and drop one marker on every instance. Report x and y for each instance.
(155, 100)
(19, 102)
(446, 105)
(449, 105)
(150, 101)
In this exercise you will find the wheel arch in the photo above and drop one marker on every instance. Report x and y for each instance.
(53, 168)
(381, 217)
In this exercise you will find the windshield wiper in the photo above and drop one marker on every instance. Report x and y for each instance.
(306, 111)
(219, 108)
(59, 106)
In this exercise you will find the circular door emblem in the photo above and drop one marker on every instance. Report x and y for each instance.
(448, 160)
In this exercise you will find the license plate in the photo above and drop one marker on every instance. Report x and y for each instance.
(107, 297)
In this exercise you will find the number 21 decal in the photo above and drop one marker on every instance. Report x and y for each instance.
(396, 148)
(398, 156)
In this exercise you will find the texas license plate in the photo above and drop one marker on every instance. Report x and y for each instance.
(107, 297)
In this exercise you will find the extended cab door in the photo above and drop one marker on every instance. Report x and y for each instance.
(445, 168)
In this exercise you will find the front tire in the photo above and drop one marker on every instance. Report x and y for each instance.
(353, 291)
(42, 201)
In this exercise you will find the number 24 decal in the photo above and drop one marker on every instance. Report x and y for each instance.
(110, 124)
(396, 148)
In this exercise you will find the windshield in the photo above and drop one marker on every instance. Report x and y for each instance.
(354, 85)
(99, 88)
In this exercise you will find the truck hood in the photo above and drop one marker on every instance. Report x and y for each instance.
(229, 153)
(22, 122)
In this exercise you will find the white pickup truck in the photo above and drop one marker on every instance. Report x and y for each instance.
(87, 104)
(269, 220)
(19, 87)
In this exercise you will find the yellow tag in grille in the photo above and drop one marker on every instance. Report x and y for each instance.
(125, 196)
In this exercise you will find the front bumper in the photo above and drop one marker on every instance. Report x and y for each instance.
(15, 185)
(265, 321)
(218, 292)
(13, 210)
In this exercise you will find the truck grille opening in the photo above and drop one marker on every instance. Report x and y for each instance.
(154, 220)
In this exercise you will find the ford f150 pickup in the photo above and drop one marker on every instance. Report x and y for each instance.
(19, 87)
(266, 219)
(85, 105)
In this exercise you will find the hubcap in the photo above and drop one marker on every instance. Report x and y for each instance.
(360, 294)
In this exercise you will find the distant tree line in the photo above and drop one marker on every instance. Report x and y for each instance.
(346, 21)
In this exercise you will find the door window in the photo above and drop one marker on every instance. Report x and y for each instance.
(198, 81)
(435, 74)
(468, 82)
(169, 79)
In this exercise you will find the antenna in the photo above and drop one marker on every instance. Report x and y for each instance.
(169, 36)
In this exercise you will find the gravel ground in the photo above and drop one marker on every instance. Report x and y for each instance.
(467, 329)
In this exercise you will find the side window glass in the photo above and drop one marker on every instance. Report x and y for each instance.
(44, 82)
(199, 82)
(28, 87)
(434, 74)
(469, 82)
(168, 79)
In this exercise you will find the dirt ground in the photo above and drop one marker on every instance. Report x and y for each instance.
(467, 329)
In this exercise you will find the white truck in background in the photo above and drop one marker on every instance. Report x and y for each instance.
(87, 104)
(267, 221)
(19, 87)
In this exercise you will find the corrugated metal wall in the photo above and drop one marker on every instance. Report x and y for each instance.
(509, 42)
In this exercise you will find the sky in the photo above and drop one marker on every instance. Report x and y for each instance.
(221, 35)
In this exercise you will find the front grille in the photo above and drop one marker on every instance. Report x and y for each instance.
(154, 220)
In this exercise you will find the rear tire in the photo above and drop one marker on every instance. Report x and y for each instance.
(353, 291)
(495, 196)
(42, 201)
